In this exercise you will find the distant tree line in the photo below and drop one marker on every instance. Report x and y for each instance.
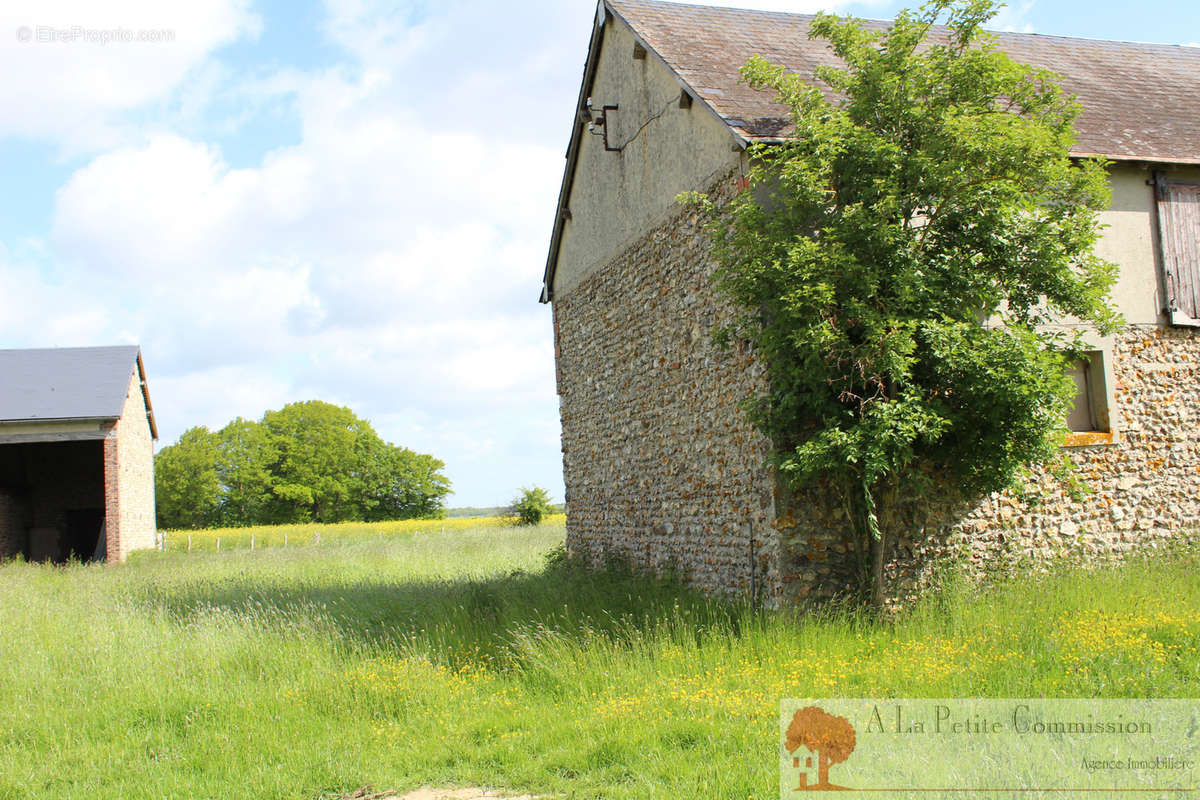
(307, 462)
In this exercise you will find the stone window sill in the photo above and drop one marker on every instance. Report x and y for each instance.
(1091, 438)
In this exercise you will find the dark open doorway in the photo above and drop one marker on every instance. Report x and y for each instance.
(84, 535)
(52, 501)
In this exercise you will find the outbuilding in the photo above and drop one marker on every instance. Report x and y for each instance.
(77, 438)
(662, 466)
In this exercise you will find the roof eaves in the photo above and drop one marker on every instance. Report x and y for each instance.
(1141, 159)
(43, 420)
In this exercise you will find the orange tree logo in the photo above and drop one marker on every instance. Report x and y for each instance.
(830, 737)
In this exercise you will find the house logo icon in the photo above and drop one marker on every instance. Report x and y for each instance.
(830, 739)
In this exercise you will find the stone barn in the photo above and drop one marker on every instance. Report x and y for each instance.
(77, 438)
(660, 465)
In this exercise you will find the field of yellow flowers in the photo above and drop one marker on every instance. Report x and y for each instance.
(302, 535)
(469, 657)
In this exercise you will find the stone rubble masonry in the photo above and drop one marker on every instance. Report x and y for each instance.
(1144, 493)
(661, 467)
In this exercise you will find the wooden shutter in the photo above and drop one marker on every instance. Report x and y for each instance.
(1179, 233)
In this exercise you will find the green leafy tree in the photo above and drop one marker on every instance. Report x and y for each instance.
(404, 485)
(308, 461)
(530, 506)
(245, 456)
(324, 459)
(186, 484)
(897, 262)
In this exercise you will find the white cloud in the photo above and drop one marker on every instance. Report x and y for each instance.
(1013, 18)
(61, 81)
(389, 260)
(37, 310)
(379, 263)
(213, 397)
(139, 211)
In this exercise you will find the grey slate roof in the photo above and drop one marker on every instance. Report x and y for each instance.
(68, 383)
(1140, 101)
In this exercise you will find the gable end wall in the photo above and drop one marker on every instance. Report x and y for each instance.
(129, 478)
(661, 467)
(616, 197)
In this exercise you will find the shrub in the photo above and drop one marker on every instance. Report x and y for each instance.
(530, 506)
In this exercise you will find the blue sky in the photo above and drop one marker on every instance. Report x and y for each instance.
(349, 201)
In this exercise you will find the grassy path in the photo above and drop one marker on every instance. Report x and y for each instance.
(465, 659)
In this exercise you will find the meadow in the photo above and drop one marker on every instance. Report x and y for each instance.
(481, 656)
(214, 539)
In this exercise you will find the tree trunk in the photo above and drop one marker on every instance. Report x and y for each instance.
(878, 559)
(856, 513)
(879, 550)
(822, 769)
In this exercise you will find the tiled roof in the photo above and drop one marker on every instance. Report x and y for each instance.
(1140, 101)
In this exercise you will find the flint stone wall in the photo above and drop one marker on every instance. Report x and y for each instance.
(662, 469)
(1145, 492)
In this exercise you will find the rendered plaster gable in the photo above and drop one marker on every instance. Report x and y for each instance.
(664, 150)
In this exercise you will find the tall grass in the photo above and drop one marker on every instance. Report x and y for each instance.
(467, 658)
(299, 535)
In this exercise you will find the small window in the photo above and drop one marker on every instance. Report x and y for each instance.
(1083, 414)
(1088, 420)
